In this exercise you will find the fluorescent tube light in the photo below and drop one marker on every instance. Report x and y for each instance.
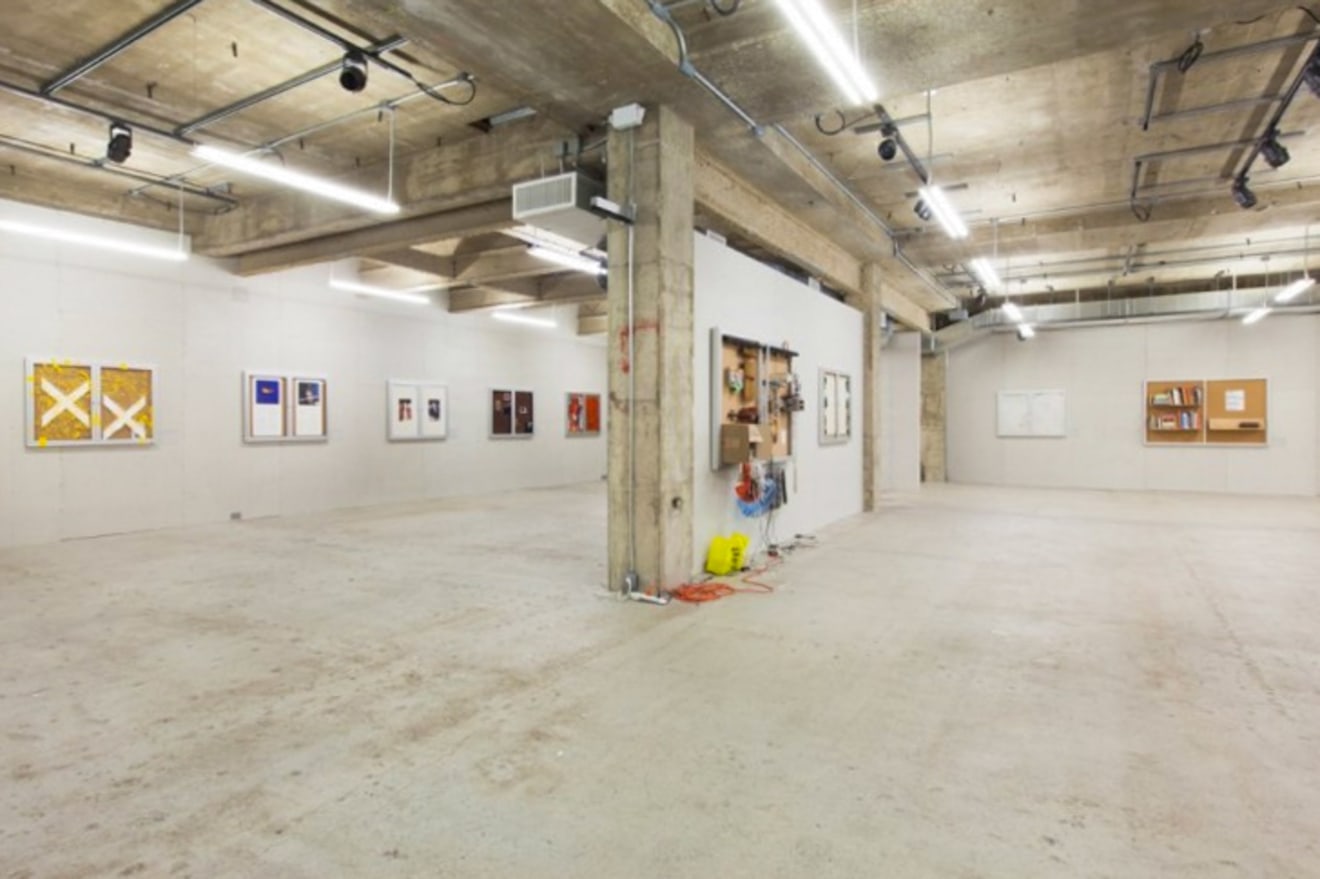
(944, 211)
(409, 296)
(1257, 316)
(1295, 289)
(820, 35)
(985, 272)
(101, 242)
(295, 179)
(514, 318)
(1026, 332)
(1012, 312)
(567, 260)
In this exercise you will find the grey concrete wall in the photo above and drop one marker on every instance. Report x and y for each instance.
(934, 417)
(745, 298)
(1103, 371)
(202, 327)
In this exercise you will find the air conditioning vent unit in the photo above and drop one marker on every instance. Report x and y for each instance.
(561, 205)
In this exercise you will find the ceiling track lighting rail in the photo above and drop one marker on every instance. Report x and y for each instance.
(1161, 67)
(1267, 146)
(56, 155)
(148, 27)
(378, 48)
(364, 53)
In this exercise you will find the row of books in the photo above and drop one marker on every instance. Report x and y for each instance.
(1175, 421)
(1189, 395)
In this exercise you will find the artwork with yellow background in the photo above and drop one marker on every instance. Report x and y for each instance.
(127, 408)
(61, 403)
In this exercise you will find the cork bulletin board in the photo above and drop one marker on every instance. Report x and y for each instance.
(1237, 412)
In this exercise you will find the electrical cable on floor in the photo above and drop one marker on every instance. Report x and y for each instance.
(713, 590)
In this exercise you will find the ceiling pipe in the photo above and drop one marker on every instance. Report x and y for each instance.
(151, 25)
(56, 100)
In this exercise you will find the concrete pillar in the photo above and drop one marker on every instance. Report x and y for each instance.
(934, 417)
(651, 391)
(872, 408)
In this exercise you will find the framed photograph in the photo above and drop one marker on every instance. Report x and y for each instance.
(512, 414)
(128, 404)
(418, 411)
(835, 407)
(309, 406)
(582, 414)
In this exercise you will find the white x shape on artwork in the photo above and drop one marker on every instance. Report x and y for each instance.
(65, 403)
(125, 417)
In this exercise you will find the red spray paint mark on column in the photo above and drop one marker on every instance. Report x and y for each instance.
(625, 365)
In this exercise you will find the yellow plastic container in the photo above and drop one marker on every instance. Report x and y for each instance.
(739, 543)
(719, 557)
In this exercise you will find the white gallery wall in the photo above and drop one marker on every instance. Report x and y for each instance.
(752, 301)
(201, 328)
(1103, 371)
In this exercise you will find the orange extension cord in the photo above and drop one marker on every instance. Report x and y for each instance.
(699, 593)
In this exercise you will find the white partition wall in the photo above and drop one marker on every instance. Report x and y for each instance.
(1103, 371)
(747, 299)
(202, 328)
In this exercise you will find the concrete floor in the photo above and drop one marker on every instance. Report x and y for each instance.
(976, 683)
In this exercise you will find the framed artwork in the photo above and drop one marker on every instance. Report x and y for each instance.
(80, 403)
(283, 408)
(513, 414)
(583, 414)
(418, 411)
(835, 407)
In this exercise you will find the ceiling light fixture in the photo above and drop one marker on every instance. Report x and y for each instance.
(922, 210)
(574, 261)
(984, 270)
(1311, 75)
(514, 318)
(120, 145)
(944, 211)
(295, 179)
(1025, 332)
(1012, 312)
(1242, 194)
(1274, 153)
(888, 149)
(832, 53)
(1295, 289)
(99, 242)
(410, 296)
(1256, 316)
(353, 75)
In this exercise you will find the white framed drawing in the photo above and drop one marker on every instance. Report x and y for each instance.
(835, 407)
(417, 411)
(1031, 414)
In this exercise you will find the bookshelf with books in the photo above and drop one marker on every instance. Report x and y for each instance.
(1175, 412)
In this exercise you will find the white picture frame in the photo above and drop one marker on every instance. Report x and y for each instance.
(285, 407)
(835, 407)
(417, 410)
(107, 421)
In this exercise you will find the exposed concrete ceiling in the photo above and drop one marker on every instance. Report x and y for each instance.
(1034, 127)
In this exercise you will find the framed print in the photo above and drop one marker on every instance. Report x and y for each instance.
(60, 408)
(418, 411)
(835, 407)
(266, 407)
(582, 414)
(128, 401)
(309, 403)
(434, 413)
(512, 414)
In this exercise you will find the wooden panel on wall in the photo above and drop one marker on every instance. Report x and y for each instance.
(1237, 412)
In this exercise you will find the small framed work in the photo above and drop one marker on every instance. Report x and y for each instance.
(513, 414)
(835, 407)
(582, 415)
(80, 403)
(284, 408)
(418, 411)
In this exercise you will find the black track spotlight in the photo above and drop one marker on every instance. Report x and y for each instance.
(888, 149)
(1273, 152)
(1242, 194)
(923, 210)
(120, 145)
(353, 76)
(1311, 75)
